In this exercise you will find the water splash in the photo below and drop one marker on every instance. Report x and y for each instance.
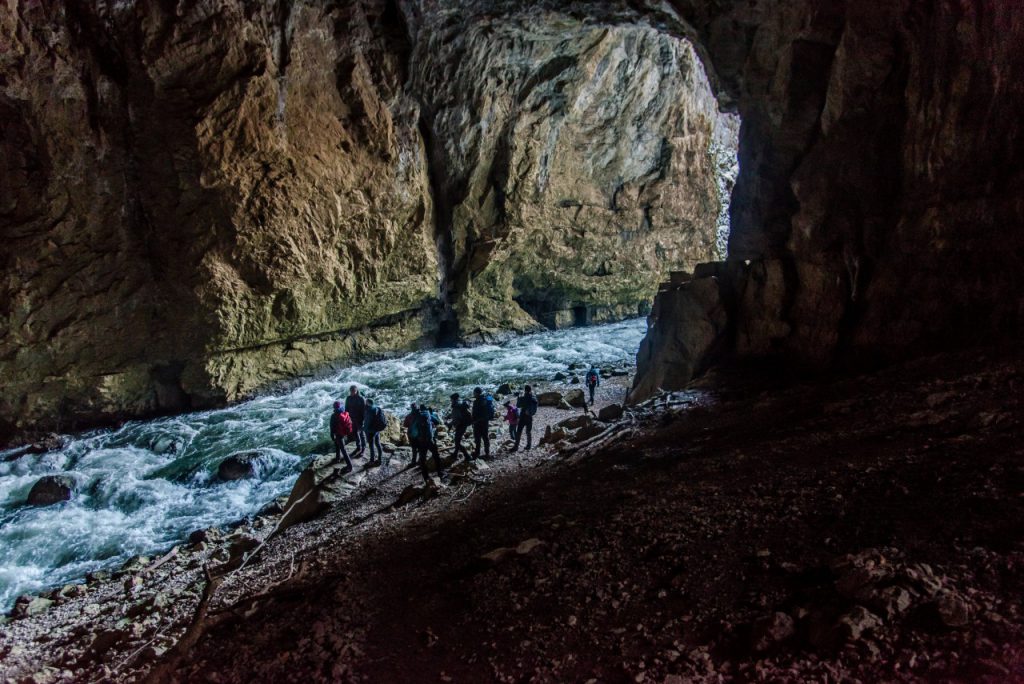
(145, 486)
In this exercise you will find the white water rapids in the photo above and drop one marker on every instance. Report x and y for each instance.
(145, 486)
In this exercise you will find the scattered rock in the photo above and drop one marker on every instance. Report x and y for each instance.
(549, 398)
(50, 442)
(506, 388)
(27, 606)
(576, 398)
(576, 422)
(858, 621)
(529, 546)
(952, 610)
(553, 436)
(238, 466)
(610, 412)
(51, 489)
(408, 495)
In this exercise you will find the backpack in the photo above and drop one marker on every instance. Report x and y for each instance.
(422, 428)
(344, 424)
(527, 405)
(379, 422)
(461, 415)
(490, 407)
(591, 377)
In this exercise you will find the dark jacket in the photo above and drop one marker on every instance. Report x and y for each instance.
(481, 409)
(461, 415)
(527, 404)
(356, 407)
(368, 420)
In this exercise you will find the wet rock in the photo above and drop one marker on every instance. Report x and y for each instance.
(97, 577)
(238, 466)
(610, 413)
(560, 376)
(27, 606)
(551, 398)
(207, 535)
(50, 442)
(321, 484)
(51, 489)
(505, 388)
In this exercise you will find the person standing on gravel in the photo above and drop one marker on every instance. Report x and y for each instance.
(422, 437)
(527, 405)
(593, 379)
(483, 414)
(512, 418)
(355, 405)
(373, 424)
(414, 410)
(461, 418)
(341, 427)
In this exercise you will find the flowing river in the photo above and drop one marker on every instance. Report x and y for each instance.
(145, 486)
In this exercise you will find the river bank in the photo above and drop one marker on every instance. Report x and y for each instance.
(754, 529)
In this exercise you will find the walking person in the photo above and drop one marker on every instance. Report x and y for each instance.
(593, 379)
(373, 424)
(512, 418)
(461, 418)
(356, 407)
(483, 414)
(341, 427)
(527, 405)
(407, 422)
(422, 437)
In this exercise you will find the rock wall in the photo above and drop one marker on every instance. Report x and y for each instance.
(577, 164)
(201, 198)
(879, 195)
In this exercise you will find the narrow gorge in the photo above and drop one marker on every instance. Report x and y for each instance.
(236, 196)
(804, 220)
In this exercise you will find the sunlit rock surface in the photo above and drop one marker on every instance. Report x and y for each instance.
(199, 200)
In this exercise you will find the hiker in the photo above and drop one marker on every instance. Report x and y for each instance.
(527, 410)
(341, 427)
(414, 410)
(422, 437)
(593, 379)
(483, 414)
(373, 424)
(461, 418)
(512, 418)
(356, 407)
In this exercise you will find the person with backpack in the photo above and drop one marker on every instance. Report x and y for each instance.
(461, 418)
(373, 424)
(483, 414)
(512, 418)
(355, 405)
(422, 432)
(341, 427)
(414, 409)
(593, 379)
(527, 405)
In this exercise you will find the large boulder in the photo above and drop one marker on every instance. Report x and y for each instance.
(321, 484)
(51, 489)
(576, 398)
(549, 398)
(238, 466)
(610, 413)
(685, 330)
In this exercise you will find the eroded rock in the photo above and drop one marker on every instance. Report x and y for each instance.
(51, 489)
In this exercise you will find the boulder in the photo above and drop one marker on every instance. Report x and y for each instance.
(686, 332)
(51, 489)
(506, 388)
(576, 398)
(553, 436)
(321, 484)
(559, 376)
(549, 398)
(609, 413)
(27, 606)
(50, 442)
(771, 631)
(238, 466)
(576, 422)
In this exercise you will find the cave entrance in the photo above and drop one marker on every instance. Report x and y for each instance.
(580, 316)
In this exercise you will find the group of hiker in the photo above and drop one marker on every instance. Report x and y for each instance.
(358, 420)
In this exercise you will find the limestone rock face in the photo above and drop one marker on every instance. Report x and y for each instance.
(577, 162)
(195, 202)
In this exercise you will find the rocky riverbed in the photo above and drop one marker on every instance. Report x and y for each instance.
(864, 528)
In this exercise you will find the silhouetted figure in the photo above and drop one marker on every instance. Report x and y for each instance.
(483, 413)
(512, 418)
(414, 410)
(593, 379)
(341, 427)
(422, 437)
(373, 424)
(356, 407)
(527, 410)
(461, 418)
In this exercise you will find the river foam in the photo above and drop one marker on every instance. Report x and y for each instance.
(144, 486)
